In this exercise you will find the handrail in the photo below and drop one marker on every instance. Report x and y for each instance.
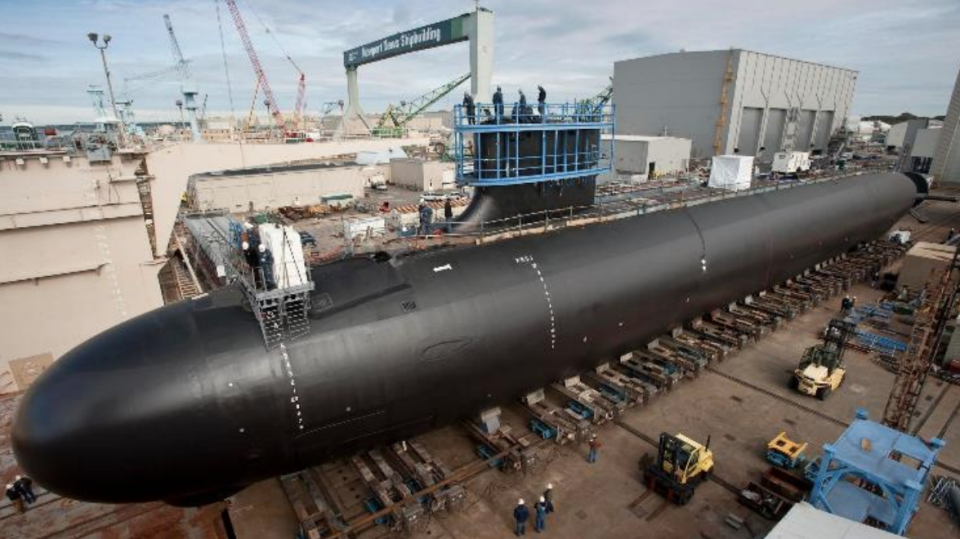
(555, 219)
(490, 116)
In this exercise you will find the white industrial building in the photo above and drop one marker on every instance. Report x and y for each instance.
(732, 101)
(924, 146)
(255, 189)
(904, 134)
(422, 175)
(946, 160)
(648, 155)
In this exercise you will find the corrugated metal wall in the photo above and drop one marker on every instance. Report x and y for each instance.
(681, 93)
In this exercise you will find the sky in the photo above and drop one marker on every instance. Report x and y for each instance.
(907, 51)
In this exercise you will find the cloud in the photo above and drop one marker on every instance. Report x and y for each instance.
(905, 51)
(24, 56)
(22, 39)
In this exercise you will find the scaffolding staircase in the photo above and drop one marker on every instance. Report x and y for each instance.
(282, 312)
(283, 317)
(188, 285)
(146, 202)
(914, 363)
(724, 101)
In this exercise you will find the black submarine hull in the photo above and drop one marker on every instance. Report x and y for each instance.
(184, 404)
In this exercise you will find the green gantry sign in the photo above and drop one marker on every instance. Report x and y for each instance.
(426, 37)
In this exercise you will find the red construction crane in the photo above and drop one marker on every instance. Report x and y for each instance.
(255, 62)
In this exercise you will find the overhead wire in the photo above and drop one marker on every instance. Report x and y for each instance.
(226, 70)
(273, 37)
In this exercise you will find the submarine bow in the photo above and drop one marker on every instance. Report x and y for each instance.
(184, 404)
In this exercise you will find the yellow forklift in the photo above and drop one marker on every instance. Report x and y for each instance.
(821, 370)
(681, 465)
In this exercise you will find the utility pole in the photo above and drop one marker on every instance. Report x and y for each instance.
(183, 123)
(95, 39)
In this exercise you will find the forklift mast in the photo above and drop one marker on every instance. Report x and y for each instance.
(671, 452)
(837, 335)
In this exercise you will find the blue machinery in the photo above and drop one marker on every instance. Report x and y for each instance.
(496, 146)
(874, 474)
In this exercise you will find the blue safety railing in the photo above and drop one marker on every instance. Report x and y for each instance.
(508, 145)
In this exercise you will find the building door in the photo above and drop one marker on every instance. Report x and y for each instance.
(824, 130)
(749, 138)
(773, 134)
(651, 168)
(805, 130)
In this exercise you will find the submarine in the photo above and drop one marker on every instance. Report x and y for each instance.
(186, 405)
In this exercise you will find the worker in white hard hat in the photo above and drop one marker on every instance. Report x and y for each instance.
(521, 514)
(540, 523)
(265, 261)
(548, 496)
(594, 444)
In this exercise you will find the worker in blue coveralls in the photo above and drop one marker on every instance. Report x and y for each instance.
(521, 514)
(541, 523)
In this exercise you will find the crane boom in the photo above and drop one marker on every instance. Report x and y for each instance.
(183, 67)
(298, 107)
(400, 115)
(255, 62)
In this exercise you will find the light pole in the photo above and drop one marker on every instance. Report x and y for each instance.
(95, 39)
(183, 123)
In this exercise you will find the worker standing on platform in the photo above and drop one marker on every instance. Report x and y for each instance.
(548, 496)
(15, 498)
(594, 447)
(266, 266)
(469, 107)
(447, 211)
(521, 514)
(540, 523)
(426, 220)
(542, 104)
(523, 104)
(498, 104)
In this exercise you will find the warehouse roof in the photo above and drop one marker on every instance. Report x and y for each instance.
(273, 169)
(740, 50)
(806, 522)
(640, 138)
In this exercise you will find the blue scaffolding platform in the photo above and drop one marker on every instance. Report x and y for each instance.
(536, 143)
(874, 474)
